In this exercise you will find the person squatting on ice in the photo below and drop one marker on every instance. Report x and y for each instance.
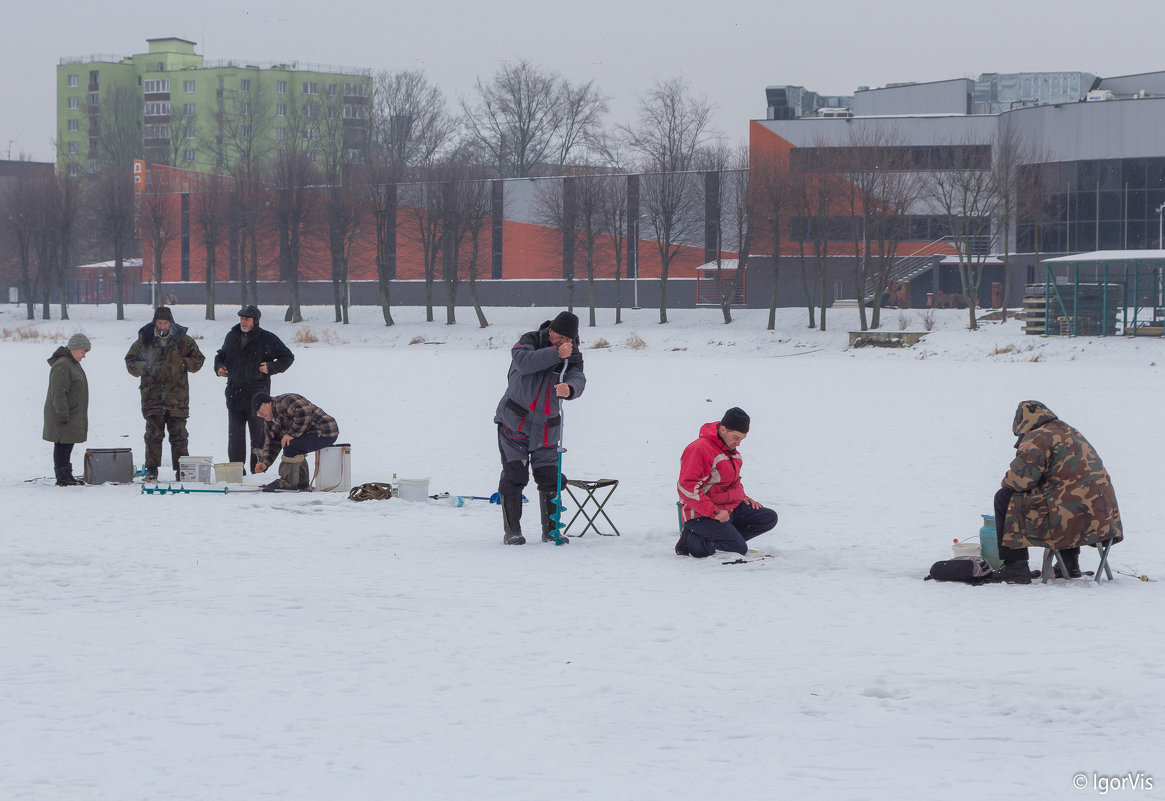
(296, 426)
(717, 515)
(529, 425)
(1056, 491)
(66, 406)
(249, 356)
(162, 357)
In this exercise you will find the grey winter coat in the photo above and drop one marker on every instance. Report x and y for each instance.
(530, 406)
(66, 407)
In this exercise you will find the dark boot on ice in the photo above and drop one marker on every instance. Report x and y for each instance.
(1071, 561)
(151, 474)
(682, 544)
(1012, 573)
(65, 477)
(512, 520)
(547, 506)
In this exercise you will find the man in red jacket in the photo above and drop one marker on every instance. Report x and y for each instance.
(716, 514)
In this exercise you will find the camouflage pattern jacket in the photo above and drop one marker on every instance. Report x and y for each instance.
(295, 416)
(1063, 495)
(162, 364)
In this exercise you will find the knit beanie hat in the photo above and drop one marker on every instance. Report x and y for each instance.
(258, 400)
(566, 324)
(163, 313)
(79, 342)
(735, 419)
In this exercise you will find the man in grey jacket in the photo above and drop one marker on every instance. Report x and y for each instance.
(528, 420)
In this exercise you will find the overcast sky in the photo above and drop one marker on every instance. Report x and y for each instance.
(729, 50)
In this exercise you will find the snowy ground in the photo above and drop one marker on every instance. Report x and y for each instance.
(295, 646)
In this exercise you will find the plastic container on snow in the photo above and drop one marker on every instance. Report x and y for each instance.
(413, 489)
(989, 542)
(967, 547)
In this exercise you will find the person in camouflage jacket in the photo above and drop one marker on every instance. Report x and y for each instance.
(1056, 492)
(162, 357)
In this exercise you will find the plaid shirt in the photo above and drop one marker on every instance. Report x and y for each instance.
(295, 416)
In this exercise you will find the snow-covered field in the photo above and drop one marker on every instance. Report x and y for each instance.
(295, 646)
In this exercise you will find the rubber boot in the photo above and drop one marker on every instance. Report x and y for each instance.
(1013, 573)
(291, 469)
(512, 520)
(546, 507)
(65, 477)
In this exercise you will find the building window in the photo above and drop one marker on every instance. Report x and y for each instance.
(331, 90)
(244, 84)
(74, 170)
(188, 87)
(157, 132)
(156, 86)
(190, 131)
(93, 99)
(311, 88)
(355, 112)
(74, 126)
(281, 87)
(245, 109)
(309, 134)
(355, 90)
(74, 103)
(280, 134)
(280, 109)
(73, 149)
(74, 81)
(157, 109)
(188, 109)
(188, 155)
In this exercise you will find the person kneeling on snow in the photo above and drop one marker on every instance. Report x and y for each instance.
(716, 514)
(297, 426)
(1056, 491)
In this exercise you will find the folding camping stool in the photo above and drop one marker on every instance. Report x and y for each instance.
(597, 493)
(1053, 558)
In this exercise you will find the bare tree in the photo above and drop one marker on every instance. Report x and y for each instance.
(18, 215)
(424, 203)
(343, 149)
(210, 207)
(772, 190)
(160, 227)
(294, 174)
(728, 217)
(673, 127)
(1017, 184)
(966, 193)
(241, 143)
(555, 209)
(410, 127)
(526, 117)
(613, 223)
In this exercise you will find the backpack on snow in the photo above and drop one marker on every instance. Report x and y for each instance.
(967, 569)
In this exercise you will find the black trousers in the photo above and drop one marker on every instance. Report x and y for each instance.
(62, 454)
(237, 427)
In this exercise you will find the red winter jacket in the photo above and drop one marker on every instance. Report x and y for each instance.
(709, 476)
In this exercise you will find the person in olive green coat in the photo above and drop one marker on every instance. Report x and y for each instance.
(66, 407)
(162, 357)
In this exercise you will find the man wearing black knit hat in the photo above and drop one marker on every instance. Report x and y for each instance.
(716, 513)
(528, 420)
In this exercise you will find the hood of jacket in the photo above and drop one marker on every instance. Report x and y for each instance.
(61, 353)
(711, 431)
(147, 332)
(1030, 415)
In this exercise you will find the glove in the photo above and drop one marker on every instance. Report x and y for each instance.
(62, 418)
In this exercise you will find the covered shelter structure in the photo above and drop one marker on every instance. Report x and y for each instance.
(1090, 293)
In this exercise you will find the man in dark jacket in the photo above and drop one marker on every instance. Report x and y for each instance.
(66, 406)
(717, 515)
(249, 356)
(296, 426)
(529, 425)
(162, 357)
(1056, 492)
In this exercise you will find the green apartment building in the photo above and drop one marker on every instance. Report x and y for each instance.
(170, 106)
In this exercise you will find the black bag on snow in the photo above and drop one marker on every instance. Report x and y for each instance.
(967, 569)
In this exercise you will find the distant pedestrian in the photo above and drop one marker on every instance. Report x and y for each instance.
(249, 356)
(66, 406)
(162, 357)
(529, 425)
(296, 426)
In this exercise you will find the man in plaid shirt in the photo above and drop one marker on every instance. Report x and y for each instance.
(296, 426)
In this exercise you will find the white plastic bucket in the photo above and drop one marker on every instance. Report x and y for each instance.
(228, 472)
(413, 489)
(333, 469)
(196, 469)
